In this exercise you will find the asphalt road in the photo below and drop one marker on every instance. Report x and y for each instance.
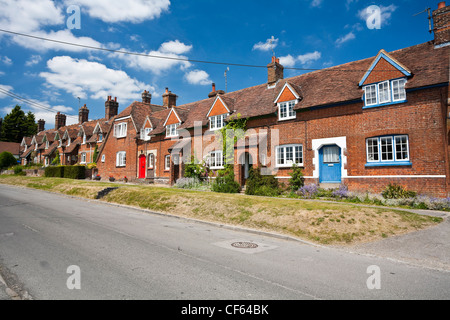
(51, 244)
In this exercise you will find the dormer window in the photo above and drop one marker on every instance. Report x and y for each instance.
(120, 130)
(217, 122)
(171, 130)
(46, 144)
(68, 142)
(84, 138)
(286, 110)
(100, 137)
(145, 134)
(386, 92)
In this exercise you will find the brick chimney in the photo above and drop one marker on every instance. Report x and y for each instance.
(41, 125)
(111, 108)
(60, 120)
(146, 97)
(214, 93)
(83, 114)
(441, 23)
(169, 99)
(275, 71)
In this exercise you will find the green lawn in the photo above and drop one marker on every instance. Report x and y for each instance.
(320, 222)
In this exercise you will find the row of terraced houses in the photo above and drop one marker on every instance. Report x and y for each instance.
(366, 124)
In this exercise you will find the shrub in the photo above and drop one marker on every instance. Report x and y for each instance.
(54, 172)
(7, 160)
(18, 171)
(57, 160)
(192, 183)
(394, 191)
(341, 192)
(225, 182)
(194, 170)
(75, 172)
(297, 180)
(310, 191)
(260, 185)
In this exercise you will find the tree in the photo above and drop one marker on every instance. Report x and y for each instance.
(7, 160)
(16, 125)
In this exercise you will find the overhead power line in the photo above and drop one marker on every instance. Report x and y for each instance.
(165, 57)
(30, 102)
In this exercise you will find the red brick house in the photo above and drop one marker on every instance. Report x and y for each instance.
(365, 124)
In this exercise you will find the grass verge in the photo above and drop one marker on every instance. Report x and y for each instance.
(324, 223)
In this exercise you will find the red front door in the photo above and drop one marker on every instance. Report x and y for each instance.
(142, 167)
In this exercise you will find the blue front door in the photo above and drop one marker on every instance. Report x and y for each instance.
(330, 164)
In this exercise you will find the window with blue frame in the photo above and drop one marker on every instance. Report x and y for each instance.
(388, 151)
(384, 93)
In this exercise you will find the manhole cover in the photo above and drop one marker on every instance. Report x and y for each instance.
(244, 245)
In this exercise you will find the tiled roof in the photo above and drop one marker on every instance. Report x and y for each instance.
(73, 145)
(11, 147)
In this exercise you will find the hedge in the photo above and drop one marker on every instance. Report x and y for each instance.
(70, 172)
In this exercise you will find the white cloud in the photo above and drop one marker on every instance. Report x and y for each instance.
(309, 57)
(5, 60)
(2, 73)
(386, 13)
(198, 77)
(266, 46)
(349, 36)
(32, 17)
(84, 79)
(34, 59)
(176, 47)
(168, 50)
(287, 61)
(134, 11)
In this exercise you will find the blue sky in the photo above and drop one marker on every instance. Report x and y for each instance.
(306, 34)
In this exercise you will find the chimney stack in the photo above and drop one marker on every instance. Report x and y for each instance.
(60, 120)
(275, 71)
(169, 99)
(41, 125)
(83, 114)
(215, 92)
(146, 97)
(111, 108)
(441, 24)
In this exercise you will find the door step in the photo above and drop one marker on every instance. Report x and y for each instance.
(328, 186)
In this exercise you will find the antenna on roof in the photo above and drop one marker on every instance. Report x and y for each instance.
(226, 79)
(272, 47)
(79, 102)
(430, 30)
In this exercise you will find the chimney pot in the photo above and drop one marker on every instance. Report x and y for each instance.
(441, 5)
(111, 108)
(275, 71)
(169, 99)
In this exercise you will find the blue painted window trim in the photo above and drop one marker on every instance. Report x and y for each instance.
(389, 164)
(391, 93)
(394, 162)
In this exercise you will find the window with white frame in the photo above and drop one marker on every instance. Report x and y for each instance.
(286, 110)
(151, 160)
(171, 130)
(103, 158)
(83, 157)
(217, 122)
(216, 160)
(167, 162)
(145, 134)
(387, 149)
(100, 137)
(84, 138)
(46, 144)
(288, 155)
(121, 159)
(398, 90)
(385, 92)
(120, 130)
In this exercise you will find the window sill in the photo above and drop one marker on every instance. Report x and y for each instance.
(286, 119)
(300, 165)
(217, 168)
(384, 104)
(389, 164)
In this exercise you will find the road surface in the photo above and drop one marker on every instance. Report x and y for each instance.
(58, 247)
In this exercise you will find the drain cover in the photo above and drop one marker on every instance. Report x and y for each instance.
(244, 245)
